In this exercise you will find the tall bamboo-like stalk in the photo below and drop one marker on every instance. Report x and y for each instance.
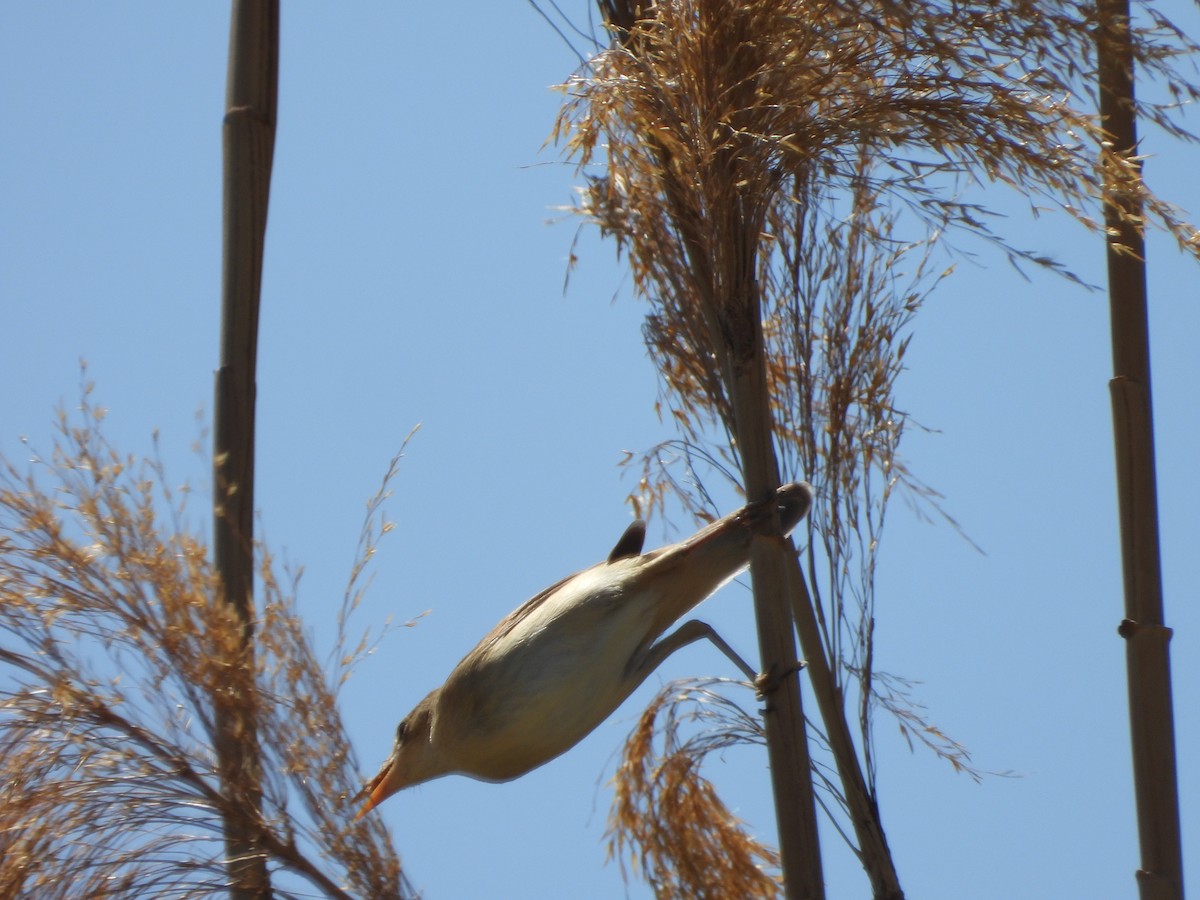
(774, 573)
(1147, 638)
(248, 146)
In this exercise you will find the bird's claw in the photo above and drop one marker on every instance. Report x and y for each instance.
(767, 683)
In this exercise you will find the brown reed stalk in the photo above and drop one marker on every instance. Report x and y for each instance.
(1148, 663)
(249, 146)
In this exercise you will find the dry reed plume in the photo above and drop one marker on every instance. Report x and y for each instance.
(668, 819)
(117, 658)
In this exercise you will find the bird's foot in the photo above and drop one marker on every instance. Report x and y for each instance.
(767, 683)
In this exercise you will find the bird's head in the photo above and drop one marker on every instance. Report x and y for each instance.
(411, 759)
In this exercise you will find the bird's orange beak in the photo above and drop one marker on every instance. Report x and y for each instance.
(377, 789)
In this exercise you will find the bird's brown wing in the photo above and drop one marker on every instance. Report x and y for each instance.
(629, 544)
(509, 622)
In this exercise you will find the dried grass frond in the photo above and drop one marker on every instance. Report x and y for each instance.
(667, 819)
(723, 126)
(117, 657)
(895, 694)
(707, 100)
(718, 122)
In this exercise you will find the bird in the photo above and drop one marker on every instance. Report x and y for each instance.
(557, 666)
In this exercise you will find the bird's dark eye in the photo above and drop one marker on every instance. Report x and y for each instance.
(401, 730)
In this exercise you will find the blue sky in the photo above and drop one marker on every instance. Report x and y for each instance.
(414, 274)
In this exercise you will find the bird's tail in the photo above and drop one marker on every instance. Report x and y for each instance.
(794, 500)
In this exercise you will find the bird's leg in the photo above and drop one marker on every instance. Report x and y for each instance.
(687, 633)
